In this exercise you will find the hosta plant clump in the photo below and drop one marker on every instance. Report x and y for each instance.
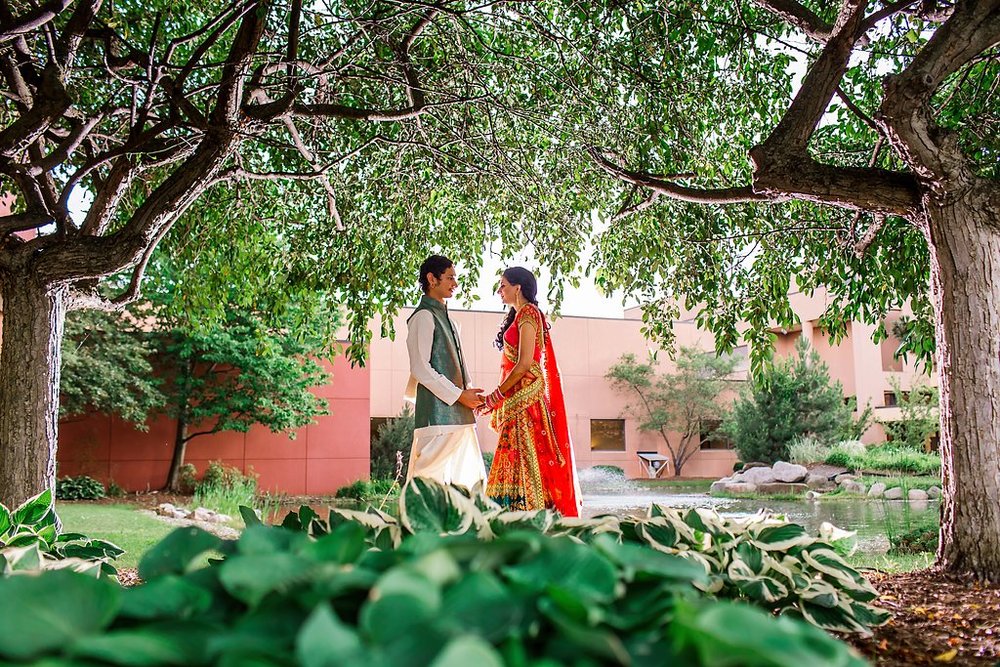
(30, 540)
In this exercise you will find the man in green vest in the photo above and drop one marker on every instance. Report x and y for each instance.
(445, 443)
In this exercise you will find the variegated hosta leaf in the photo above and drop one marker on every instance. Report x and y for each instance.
(782, 537)
(685, 532)
(537, 520)
(428, 506)
(821, 593)
(840, 618)
(761, 589)
(751, 557)
(844, 542)
(833, 566)
(587, 529)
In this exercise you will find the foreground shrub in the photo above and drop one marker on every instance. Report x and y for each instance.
(82, 487)
(30, 540)
(762, 559)
(282, 597)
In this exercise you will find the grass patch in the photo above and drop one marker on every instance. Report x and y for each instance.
(892, 563)
(690, 485)
(123, 525)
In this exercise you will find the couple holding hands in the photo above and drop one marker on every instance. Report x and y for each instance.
(533, 466)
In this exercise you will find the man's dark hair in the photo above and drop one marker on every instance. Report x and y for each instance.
(435, 264)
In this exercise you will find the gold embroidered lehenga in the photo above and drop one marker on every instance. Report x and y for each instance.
(533, 467)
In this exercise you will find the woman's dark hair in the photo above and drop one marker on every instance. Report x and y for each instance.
(518, 275)
(435, 264)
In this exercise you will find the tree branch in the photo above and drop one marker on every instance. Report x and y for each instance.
(19, 222)
(76, 28)
(681, 192)
(799, 16)
(36, 18)
(930, 151)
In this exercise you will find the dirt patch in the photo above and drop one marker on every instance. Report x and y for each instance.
(937, 619)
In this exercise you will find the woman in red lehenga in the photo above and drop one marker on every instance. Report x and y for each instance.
(533, 467)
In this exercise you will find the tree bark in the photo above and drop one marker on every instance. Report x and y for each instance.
(964, 240)
(30, 356)
(180, 449)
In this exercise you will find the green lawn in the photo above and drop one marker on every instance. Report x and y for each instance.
(121, 524)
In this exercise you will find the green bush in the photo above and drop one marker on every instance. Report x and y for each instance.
(366, 489)
(81, 487)
(792, 398)
(115, 490)
(806, 449)
(225, 489)
(762, 559)
(441, 597)
(917, 540)
(614, 471)
(390, 449)
(888, 458)
(30, 540)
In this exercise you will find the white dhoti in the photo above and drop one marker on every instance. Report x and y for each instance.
(448, 454)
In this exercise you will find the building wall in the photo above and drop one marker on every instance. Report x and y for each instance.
(585, 348)
(320, 458)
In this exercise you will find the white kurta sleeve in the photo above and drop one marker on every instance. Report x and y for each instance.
(419, 340)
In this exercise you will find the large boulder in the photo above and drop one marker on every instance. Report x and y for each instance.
(877, 490)
(934, 492)
(759, 476)
(790, 473)
(741, 487)
(819, 482)
(916, 494)
(719, 486)
(753, 464)
(895, 493)
(782, 489)
(852, 486)
(844, 477)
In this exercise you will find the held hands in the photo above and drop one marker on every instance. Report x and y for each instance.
(491, 402)
(471, 398)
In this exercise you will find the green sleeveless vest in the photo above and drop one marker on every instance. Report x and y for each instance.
(446, 359)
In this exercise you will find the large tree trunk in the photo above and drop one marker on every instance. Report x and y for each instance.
(30, 355)
(965, 278)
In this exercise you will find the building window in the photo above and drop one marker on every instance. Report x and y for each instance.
(891, 400)
(607, 435)
(711, 438)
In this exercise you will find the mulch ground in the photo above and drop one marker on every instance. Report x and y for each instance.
(937, 619)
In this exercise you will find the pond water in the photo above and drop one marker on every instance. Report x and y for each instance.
(606, 493)
(872, 519)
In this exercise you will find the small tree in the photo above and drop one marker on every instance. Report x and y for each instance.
(919, 419)
(791, 398)
(680, 402)
(106, 368)
(394, 437)
(220, 366)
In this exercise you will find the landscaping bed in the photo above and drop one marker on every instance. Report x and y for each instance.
(937, 619)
